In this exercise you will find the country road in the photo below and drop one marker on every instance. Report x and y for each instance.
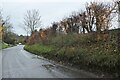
(18, 63)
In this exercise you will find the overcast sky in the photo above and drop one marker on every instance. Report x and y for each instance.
(50, 10)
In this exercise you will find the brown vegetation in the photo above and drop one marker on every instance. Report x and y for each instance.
(95, 19)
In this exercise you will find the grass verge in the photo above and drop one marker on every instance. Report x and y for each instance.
(4, 45)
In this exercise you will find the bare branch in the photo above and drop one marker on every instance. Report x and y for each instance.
(32, 20)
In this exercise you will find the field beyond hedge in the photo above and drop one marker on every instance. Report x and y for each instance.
(83, 51)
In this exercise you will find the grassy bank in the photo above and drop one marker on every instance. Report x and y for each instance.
(83, 51)
(4, 45)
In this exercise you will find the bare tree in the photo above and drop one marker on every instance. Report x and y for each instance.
(7, 27)
(32, 20)
(1, 24)
(100, 15)
(1, 18)
(90, 17)
(7, 24)
(1, 14)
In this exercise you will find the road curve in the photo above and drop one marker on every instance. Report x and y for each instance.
(18, 63)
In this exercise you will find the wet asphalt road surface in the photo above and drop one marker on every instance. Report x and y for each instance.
(18, 63)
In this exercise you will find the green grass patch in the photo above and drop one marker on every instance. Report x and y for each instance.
(40, 49)
(4, 45)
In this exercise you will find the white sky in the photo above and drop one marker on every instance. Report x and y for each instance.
(50, 10)
(24, 1)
